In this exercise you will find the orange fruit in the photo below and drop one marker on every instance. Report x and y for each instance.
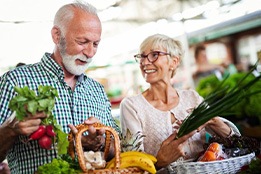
(208, 156)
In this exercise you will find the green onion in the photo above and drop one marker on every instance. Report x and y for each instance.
(218, 103)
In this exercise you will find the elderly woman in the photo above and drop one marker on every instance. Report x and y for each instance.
(159, 110)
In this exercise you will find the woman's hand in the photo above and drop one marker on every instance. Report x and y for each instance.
(217, 126)
(171, 149)
(95, 139)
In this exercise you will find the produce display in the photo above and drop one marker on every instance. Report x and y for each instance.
(49, 133)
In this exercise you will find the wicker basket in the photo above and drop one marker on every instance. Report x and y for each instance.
(76, 144)
(227, 166)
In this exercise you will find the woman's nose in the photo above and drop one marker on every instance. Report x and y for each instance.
(145, 61)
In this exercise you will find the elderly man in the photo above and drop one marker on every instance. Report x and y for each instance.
(76, 34)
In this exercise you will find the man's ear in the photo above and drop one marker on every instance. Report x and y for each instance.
(56, 33)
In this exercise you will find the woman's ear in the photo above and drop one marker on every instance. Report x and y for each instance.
(175, 62)
(174, 65)
(56, 33)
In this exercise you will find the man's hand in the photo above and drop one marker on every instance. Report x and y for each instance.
(95, 139)
(26, 127)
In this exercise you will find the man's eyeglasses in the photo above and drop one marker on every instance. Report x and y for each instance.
(152, 56)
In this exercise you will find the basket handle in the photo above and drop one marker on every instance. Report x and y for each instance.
(78, 143)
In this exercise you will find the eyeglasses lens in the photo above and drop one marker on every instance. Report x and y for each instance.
(153, 56)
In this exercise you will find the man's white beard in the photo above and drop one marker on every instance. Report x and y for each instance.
(72, 67)
(69, 60)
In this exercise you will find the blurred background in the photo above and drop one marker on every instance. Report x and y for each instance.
(229, 29)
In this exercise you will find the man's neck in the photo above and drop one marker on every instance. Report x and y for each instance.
(70, 79)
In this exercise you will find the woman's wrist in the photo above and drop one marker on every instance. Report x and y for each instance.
(161, 164)
(158, 166)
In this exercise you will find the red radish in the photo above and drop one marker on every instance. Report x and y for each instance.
(38, 133)
(49, 131)
(45, 142)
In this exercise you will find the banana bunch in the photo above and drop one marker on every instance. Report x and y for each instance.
(141, 160)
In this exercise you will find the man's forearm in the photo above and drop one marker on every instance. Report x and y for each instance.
(7, 139)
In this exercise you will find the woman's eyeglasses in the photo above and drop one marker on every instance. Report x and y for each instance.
(152, 56)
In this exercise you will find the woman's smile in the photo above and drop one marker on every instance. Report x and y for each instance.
(148, 71)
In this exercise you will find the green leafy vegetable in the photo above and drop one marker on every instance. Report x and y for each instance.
(26, 101)
(218, 103)
(63, 142)
(57, 166)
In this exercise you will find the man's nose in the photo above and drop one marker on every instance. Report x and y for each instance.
(89, 50)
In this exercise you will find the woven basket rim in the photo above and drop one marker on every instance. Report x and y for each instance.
(233, 165)
(217, 161)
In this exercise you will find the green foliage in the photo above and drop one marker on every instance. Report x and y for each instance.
(207, 85)
(26, 100)
(114, 92)
(57, 166)
(246, 107)
(74, 163)
(63, 142)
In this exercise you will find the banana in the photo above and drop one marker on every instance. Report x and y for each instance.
(135, 159)
(132, 153)
(137, 153)
(142, 162)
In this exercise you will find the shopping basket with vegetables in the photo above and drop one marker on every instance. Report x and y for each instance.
(131, 162)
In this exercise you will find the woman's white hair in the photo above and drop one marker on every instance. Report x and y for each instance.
(172, 46)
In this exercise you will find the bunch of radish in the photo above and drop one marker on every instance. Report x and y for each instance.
(44, 135)
(49, 132)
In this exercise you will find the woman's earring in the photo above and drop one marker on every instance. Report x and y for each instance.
(173, 72)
